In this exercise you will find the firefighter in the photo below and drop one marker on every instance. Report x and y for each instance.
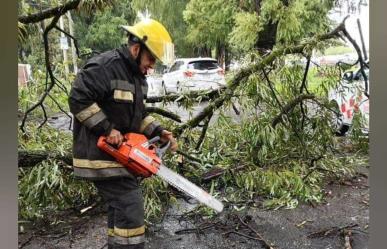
(107, 98)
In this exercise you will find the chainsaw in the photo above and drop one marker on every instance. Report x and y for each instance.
(144, 158)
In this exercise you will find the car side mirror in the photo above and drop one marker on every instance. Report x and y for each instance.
(348, 76)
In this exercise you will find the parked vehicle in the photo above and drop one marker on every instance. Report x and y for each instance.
(349, 98)
(193, 74)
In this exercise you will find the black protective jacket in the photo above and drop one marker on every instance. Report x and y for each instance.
(109, 92)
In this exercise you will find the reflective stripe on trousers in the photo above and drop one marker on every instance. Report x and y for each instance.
(125, 212)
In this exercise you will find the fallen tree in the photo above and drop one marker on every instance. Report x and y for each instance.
(31, 158)
(216, 97)
(280, 153)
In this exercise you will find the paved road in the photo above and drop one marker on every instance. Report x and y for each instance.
(286, 229)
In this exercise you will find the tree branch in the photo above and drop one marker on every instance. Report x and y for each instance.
(272, 88)
(189, 156)
(49, 70)
(164, 113)
(27, 159)
(360, 58)
(303, 84)
(203, 134)
(244, 73)
(62, 110)
(204, 96)
(287, 108)
(304, 87)
(48, 13)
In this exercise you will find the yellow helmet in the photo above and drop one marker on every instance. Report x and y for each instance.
(155, 37)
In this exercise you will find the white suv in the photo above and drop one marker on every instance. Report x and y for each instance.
(193, 74)
(349, 97)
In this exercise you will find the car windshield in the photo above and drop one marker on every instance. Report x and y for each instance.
(203, 65)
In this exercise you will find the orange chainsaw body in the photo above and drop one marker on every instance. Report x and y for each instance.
(135, 153)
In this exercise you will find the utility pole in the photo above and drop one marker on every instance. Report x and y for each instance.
(73, 50)
(64, 49)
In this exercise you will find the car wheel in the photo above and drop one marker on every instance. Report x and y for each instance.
(340, 129)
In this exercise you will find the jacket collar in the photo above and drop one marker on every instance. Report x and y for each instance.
(130, 61)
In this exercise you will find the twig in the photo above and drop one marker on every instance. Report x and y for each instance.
(216, 172)
(329, 231)
(45, 116)
(272, 88)
(203, 134)
(71, 37)
(259, 236)
(312, 168)
(237, 112)
(242, 234)
(195, 230)
(26, 242)
(347, 238)
(61, 86)
(61, 109)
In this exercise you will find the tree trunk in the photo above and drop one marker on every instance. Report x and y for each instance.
(227, 58)
(266, 39)
(218, 53)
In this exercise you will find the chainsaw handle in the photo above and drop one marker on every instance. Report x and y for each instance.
(102, 144)
(161, 150)
(154, 140)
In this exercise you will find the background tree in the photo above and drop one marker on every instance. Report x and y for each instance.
(170, 14)
(209, 23)
(260, 25)
(100, 30)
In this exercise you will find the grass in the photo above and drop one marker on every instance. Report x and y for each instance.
(337, 50)
(319, 80)
(314, 81)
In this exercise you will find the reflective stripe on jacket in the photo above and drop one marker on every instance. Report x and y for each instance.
(107, 93)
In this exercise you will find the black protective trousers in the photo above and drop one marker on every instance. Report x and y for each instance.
(124, 199)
